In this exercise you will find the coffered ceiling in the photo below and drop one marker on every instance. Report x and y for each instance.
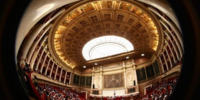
(87, 20)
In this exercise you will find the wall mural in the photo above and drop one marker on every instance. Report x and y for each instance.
(113, 81)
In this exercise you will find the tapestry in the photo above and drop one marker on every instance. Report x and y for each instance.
(114, 81)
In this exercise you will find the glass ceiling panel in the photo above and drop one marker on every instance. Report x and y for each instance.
(106, 46)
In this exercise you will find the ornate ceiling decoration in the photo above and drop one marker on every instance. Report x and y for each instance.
(89, 20)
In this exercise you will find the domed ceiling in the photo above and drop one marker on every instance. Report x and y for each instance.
(87, 20)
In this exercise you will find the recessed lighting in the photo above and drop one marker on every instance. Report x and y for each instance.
(142, 54)
(95, 63)
(84, 66)
(127, 57)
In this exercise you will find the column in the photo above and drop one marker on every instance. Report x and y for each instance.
(35, 43)
(43, 62)
(65, 76)
(71, 78)
(101, 80)
(56, 73)
(173, 47)
(47, 67)
(36, 53)
(32, 66)
(93, 75)
(51, 70)
(172, 37)
(154, 70)
(169, 57)
(124, 72)
(60, 75)
(178, 44)
(31, 37)
(161, 65)
(173, 27)
(145, 73)
(40, 57)
(132, 61)
(170, 49)
(165, 60)
(179, 37)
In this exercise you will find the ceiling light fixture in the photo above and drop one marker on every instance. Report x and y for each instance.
(84, 66)
(95, 63)
(127, 57)
(142, 54)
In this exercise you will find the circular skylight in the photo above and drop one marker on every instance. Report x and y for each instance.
(106, 46)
